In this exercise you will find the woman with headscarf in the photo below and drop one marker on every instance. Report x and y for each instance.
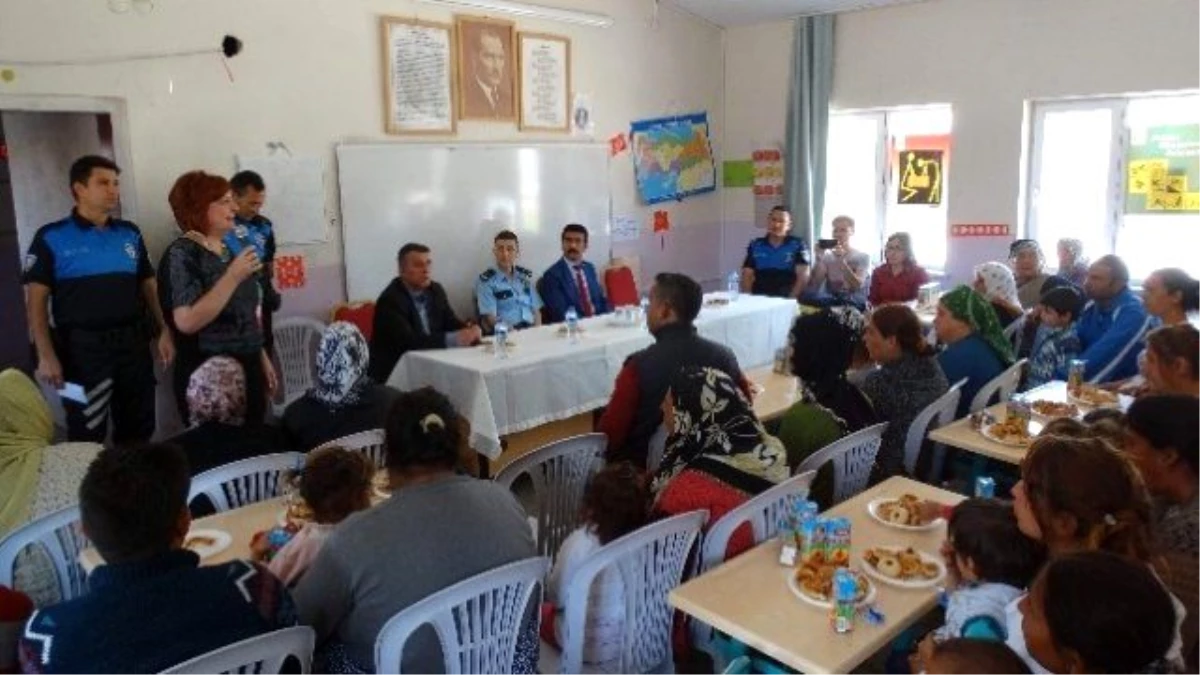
(995, 282)
(718, 454)
(219, 432)
(1028, 263)
(1072, 266)
(36, 478)
(975, 346)
(344, 399)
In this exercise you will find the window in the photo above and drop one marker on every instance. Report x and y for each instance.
(1080, 156)
(863, 171)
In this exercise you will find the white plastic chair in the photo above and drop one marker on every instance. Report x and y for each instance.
(559, 473)
(852, 457)
(60, 536)
(656, 448)
(936, 414)
(264, 653)
(763, 513)
(651, 562)
(1004, 384)
(1014, 330)
(369, 442)
(478, 620)
(296, 342)
(244, 482)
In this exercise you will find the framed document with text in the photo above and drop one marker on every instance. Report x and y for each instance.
(418, 85)
(545, 82)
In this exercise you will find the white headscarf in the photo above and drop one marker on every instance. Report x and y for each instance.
(999, 282)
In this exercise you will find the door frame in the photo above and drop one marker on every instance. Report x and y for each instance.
(118, 114)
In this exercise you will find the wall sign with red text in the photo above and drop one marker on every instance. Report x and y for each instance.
(979, 230)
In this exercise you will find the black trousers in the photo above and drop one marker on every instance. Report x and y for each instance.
(189, 359)
(116, 371)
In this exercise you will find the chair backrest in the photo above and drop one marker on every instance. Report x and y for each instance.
(246, 481)
(60, 538)
(656, 448)
(559, 473)
(621, 287)
(852, 457)
(264, 654)
(296, 341)
(1013, 332)
(936, 414)
(361, 313)
(651, 561)
(478, 620)
(1000, 387)
(369, 442)
(762, 512)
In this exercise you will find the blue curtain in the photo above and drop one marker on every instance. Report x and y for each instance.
(808, 123)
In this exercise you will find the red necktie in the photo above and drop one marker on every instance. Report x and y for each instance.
(584, 299)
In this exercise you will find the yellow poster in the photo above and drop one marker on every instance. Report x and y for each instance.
(1191, 201)
(1140, 172)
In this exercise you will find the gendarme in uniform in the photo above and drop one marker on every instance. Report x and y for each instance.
(775, 266)
(95, 275)
(511, 299)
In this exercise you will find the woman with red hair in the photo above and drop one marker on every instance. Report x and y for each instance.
(210, 298)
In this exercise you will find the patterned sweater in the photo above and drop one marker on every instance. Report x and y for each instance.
(1053, 349)
(149, 615)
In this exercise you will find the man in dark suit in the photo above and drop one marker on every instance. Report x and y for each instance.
(488, 89)
(413, 313)
(572, 281)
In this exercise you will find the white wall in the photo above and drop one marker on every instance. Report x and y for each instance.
(310, 76)
(984, 57)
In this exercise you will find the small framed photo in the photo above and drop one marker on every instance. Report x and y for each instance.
(487, 68)
(545, 82)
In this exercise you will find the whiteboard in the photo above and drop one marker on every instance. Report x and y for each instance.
(295, 196)
(455, 198)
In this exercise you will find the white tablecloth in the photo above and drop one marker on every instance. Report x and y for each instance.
(546, 378)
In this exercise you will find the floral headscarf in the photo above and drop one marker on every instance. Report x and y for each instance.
(999, 281)
(342, 360)
(715, 431)
(968, 306)
(216, 392)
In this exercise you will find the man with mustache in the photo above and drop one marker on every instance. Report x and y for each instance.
(487, 92)
(572, 281)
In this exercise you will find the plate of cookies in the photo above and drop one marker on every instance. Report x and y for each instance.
(902, 513)
(812, 582)
(903, 567)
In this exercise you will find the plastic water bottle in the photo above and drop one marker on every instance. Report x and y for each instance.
(733, 285)
(500, 340)
(572, 318)
(645, 307)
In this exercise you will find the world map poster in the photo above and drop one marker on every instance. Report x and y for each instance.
(672, 158)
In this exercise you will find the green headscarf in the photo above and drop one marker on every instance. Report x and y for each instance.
(25, 430)
(967, 305)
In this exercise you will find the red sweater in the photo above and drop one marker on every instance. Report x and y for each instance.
(887, 287)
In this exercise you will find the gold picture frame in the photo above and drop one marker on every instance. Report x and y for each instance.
(485, 45)
(428, 117)
(550, 55)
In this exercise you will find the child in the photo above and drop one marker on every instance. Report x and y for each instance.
(615, 503)
(1055, 343)
(334, 483)
(1096, 612)
(964, 655)
(991, 562)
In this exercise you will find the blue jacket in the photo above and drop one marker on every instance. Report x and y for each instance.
(1111, 338)
(559, 292)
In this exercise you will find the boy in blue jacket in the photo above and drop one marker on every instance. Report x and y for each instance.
(1113, 324)
(1055, 344)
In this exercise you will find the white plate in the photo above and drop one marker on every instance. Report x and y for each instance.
(1089, 405)
(220, 541)
(986, 432)
(1047, 418)
(873, 509)
(824, 604)
(906, 583)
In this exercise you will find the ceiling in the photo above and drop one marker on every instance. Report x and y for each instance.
(742, 12)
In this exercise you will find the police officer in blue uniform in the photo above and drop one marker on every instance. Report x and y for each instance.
(505, 292)
(252, 228)
(776, 264)
(96, 273)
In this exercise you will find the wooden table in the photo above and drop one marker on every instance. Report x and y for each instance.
(778, 392)
(959, 434)
(748, 597)
(241, 524)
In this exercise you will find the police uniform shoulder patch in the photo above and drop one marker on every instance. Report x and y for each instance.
(131, 250)
(487, 274)
(525, 272)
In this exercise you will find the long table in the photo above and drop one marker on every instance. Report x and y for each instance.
(960, 434)
(547, 378)
(748, 597)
